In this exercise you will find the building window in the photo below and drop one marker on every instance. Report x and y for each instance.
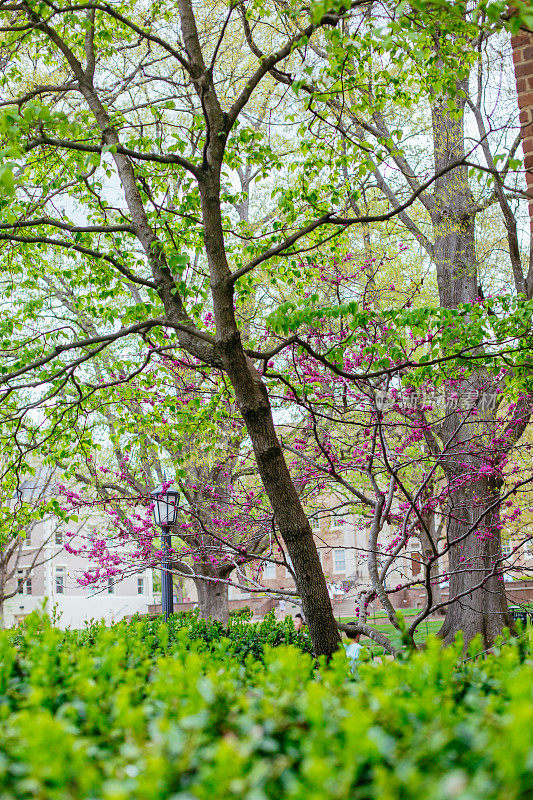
(24, 586)
(140, 585)
(59, 537)
(315, 524)
(27, 539)
(269, 570)
(61, 576)
(111, 586)
(506, 547)
(320, 557)
(337, 521)
(289, 562)
(339, 560)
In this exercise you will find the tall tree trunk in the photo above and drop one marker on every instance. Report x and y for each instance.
(213, 600)
(478, 601)
(254, 405)
(289, 514)
(471, 557)
(454, 212)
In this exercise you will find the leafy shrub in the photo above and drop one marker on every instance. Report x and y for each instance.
(191, 711)
(245, 612)
(241, 637)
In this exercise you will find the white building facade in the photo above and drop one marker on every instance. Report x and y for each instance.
(53, 584)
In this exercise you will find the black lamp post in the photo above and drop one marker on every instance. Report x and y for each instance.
(166, 504)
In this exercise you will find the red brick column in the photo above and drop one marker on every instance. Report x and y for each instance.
(522, 45)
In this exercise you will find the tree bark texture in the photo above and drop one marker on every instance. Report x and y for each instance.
(472, 557)
(213, 600)
(290, 517)
(479, 604)
(254, 406)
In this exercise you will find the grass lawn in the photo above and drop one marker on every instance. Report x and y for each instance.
(380, 622)
(377, 615)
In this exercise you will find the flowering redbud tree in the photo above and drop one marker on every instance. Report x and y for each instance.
(117, 177)
(174, 420)
(419, 430)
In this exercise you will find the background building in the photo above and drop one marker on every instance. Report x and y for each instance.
(53, 583)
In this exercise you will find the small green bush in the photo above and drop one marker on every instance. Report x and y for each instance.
(242, 638)
(245, 612)
(193, 711)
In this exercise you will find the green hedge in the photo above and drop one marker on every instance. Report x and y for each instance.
(145, 711)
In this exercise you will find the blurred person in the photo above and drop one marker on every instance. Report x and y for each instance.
(299, 623)
(353, 649)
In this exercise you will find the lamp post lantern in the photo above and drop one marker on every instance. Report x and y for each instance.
(166, 505)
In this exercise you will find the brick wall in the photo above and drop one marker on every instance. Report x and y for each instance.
(517, 592)
(522, 45)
